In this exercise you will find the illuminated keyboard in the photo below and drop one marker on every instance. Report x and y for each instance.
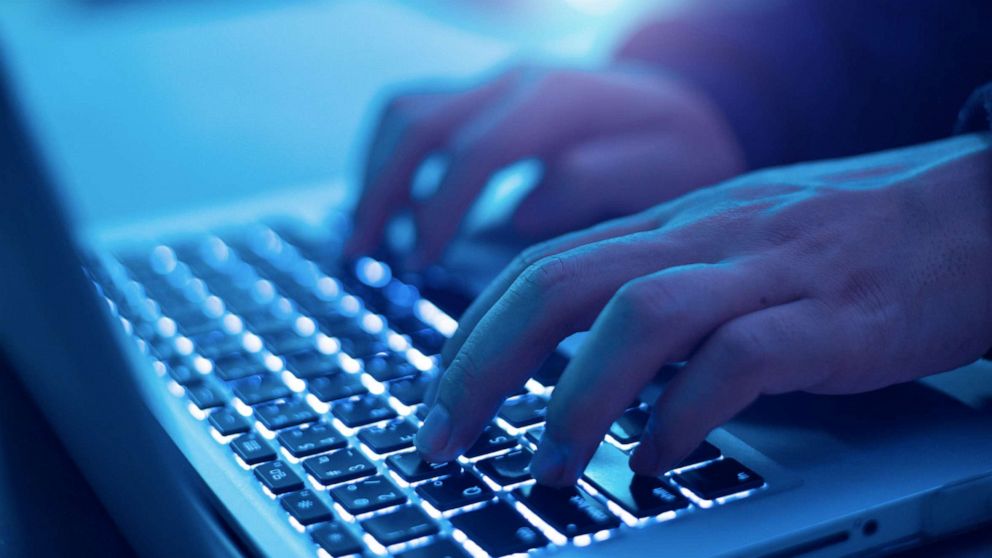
(313, 373)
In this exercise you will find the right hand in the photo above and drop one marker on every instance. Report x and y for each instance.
(613, 142)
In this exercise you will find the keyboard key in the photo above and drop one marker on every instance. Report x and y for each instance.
(252, 449)
(568, 510)
(404, 524)
(428, 341)
(410, 391)
(509, 468)
(310, 364)
(182, 372)
(389, 366)
(258, 389)
(278, 477)
(339, 466)
(641, 496)
(392, 436)
(237, 366)
(628, 428)
(216, 343)
(228, 422)
(705, 452)
(205, 394)
(439, 548)
(719, 478)
(455, 491)
(338, 386)
(362, 410)
(287, 341)
(335, 539)
(305, 507)
(362, 345)
(524, 410)
(281, 414)
(534, 434)
(492, 439)
(373, 493)
(499, 530)
(412, 468)
(311, 439)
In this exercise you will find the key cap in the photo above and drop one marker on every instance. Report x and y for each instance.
(305, 507)
(440, 548)
(182, 372)
(628, 428)
(236, 366)
(410, 391)
(205, 394)
(311, 364)
(412, 468)
(568, 510)
(284, 413)
(217, 343)
(705, 452)
(388, 366)
(338, 386)
(404, 524)
(311, 439)
(228, 421)
(252, 449)
(524, 410)
(509, 468)
(362, 410)
(641, 496)
(394, 435)
(534, 434)
(278, 477)
(455, 491)
(339, 466)
(719, 478)
(258, 389)
(428, 340)
(335, 539)
(499, 530)
(373, 493)
(492, 439)
(287, 341)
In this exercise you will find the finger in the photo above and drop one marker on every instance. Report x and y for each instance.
(410, 129)
(654, 320)
(601, 178)
(779, 349)
(641, 222)
(551, 299)
(538, 121)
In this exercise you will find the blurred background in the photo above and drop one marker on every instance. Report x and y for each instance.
(147, 107)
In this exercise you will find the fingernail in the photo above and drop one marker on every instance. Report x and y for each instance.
(433, 436)
(548, 464)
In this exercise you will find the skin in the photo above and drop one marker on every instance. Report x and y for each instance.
(832, 277)
(604, 137)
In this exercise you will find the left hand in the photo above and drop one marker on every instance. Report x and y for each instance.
(831, 277)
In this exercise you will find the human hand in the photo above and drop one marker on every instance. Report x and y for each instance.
(613, 142)
(833, 277)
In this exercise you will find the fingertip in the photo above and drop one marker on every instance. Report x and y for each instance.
(434, 436)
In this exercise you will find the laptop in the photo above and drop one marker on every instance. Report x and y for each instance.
(231, 387)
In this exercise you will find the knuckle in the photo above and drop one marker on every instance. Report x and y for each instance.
(745, 344)
(546, 274)
(649, 302)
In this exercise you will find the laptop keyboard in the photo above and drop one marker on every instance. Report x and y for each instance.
(313, 374)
